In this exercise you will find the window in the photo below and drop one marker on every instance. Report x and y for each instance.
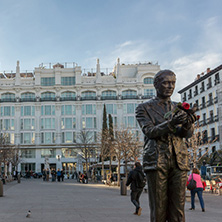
(184, 97)
(108, 94)
(68, 110)
(149, 92)
(89, 122)
(48, 96)
(202, 89)
(88, 95)
(48, 81)
(28, 96)
(190, 94)
(129, 93)
(48, 137)
(68, 81)
(203, 102)
(27, 138)
(209, 84)
(68, 123)
(28, 153)
(111, 109)
(88, 109)
(27, 167)
(47, 110)
(8, 97)
(217, 79)
(129, 108)
(148, 80)
(48, 123)
(27, 124)
(68, 95)
(196, 90)
(7, 111)
(69, 153)
(50, 153)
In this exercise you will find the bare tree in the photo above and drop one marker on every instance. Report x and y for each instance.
(127, 148)
(87, 148)
(6, 151)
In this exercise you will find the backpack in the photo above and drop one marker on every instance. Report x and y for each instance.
(192, 184)
(140, 180)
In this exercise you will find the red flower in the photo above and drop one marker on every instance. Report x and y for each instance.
(186, 106)
(198, 117)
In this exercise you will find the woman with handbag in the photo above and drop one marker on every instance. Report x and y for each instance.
(199, 189)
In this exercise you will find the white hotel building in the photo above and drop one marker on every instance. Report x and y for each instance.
(43, 111)
(204, 91)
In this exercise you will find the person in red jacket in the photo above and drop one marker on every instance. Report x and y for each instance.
(199, 189)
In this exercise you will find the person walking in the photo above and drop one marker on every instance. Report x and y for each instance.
(199, 189)
(136, 190)
(59, 175)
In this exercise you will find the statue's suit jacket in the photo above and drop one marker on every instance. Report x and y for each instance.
(160, 140)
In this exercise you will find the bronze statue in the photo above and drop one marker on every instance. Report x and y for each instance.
(165, 159)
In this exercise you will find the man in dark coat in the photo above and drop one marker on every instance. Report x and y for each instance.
(132, 180)
(165, 159)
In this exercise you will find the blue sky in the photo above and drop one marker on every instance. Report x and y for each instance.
(182, 35)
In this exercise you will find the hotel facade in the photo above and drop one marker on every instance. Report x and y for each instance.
(43, 111)
(205, 91)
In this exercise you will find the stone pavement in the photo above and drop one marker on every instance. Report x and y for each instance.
(71, 201)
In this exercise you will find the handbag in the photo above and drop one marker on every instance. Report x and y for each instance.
(192, 184)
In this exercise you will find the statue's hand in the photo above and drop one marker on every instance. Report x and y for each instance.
(179, 118)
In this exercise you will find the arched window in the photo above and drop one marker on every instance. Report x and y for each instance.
(8, 97)
(28, 96)
(148, 80)
(129, 94)
(68, 96)
(48, 96)
(108, 94)
(88, 95)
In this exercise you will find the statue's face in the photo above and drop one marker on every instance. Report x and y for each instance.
(165, 86)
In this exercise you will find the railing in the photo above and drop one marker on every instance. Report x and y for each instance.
(195, 93)
(216, 118)
(88, 98)
(202, 89)
(130, 97)
(209, 85)
(210, 102)
(108, 97)
(216, 81)
(63, 65)
(48, 99)
(8, 100)
(28, 99)
(215, 99)
(67, 98)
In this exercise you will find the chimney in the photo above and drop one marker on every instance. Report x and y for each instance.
(208, 70)
(198, 76)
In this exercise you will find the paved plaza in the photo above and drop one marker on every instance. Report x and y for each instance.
(72, 201)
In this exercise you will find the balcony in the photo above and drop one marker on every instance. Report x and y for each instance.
(202, 106)
(189, 96)
(88, 98)
(209, 85)
(48, 99)
(216, 118)
(215, 99)
(28, 100)
(8, 100)
(130, 97)
(67, 98)
(210, 102)
(213, 139)
(216, 81)
(202, 89)
(108, 97)
(195, 93)
(210, 120)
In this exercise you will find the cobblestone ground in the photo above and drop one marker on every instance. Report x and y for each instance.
(71, 201)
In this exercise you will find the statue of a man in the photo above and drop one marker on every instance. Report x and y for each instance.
(165, 159)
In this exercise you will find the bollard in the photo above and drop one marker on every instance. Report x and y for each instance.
(19, 179)
(1, 189)
(123, 189)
